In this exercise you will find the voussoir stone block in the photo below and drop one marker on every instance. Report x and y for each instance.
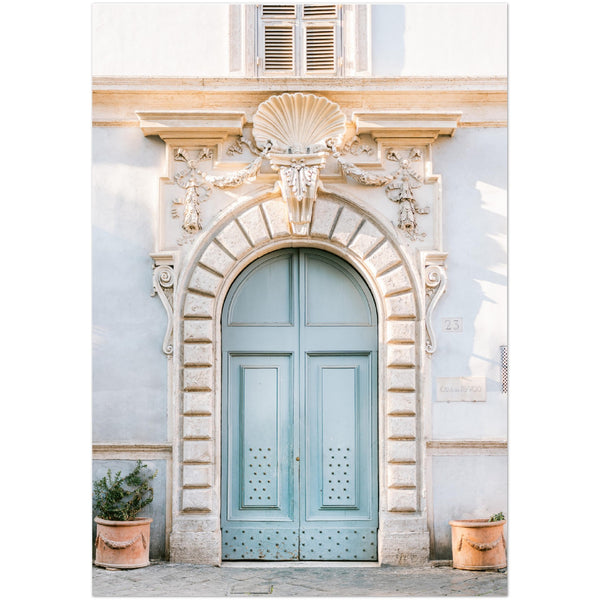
(276, 215)
(198, 403)
(198, 378)
(234, 240)
(346, 225)
(198, 475)
(197, 330)
(324, 213)
(401, 475)
(402, 500)
(401, 451)
(367, 237)
(197, 427)
(198, 354)
(198, 306)
(401, 427)
(198, 451)
(215, 258)
(383, 258)
(197, 499)
(203, 280)
(402, 305)
(394, 281)
(401, 379)
(254, 225)
(401, 403)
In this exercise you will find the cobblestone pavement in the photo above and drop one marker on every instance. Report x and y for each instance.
(176, 580)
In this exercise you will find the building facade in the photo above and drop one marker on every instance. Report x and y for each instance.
(295, 321)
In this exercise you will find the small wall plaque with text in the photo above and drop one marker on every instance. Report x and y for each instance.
(460, 389)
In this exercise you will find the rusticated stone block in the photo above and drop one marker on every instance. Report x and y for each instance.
(234, 240)
(198, 354)
(198, 378)
(198, 403)
(401, 355)
(401, 403)
(197, 427)
(215, 258)
(198, 475)
(199, 451)
(197, 330)
(198, 306)
(383, 258)
(402, 500)
(395, 281)
(197, 499)
(401, 427)
(405, 549)
(367, 237)
(346, 225)
(254, 226)
(205, 281)
(401, 451)
(402, 305)
(400, 331)
(401, 379)
(401, 475)
(324, 213)
(276, 215)
(198, 548)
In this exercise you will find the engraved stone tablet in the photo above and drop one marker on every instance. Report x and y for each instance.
(460, 389)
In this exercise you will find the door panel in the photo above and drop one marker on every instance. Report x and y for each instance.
(299, 411)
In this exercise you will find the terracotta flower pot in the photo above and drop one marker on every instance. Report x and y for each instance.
(122, 544)
(478, 545)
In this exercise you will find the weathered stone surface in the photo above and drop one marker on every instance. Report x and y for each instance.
(400, 403)
(198, 427)
(234, 240)
(400, 331)
(198, 403)
(346, 225)
(394, 281)
(402, 355)
(198, 354)
(401, 451)
(198, 306)
(402, 305)
(401, 475)
(367, 237)
(198, 451)
(324, 213)
(383, 258)
(197, 330)
(402, 500)
(197, 475)
(276, 215)
(201, 548)
(406, 549)
(401, 427)
(198, 378)
(215, 258)
(401, 379)
(197, 499)
(205, 281)
(254, 225)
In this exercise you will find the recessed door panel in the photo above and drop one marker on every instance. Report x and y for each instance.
(299, 411)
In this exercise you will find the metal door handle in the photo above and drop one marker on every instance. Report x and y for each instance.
(297, 458)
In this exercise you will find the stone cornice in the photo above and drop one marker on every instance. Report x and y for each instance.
(191, 123)
(482, 101)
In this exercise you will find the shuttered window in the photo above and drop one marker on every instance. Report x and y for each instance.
(299, 39)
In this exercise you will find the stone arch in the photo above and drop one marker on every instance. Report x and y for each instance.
(240, 235)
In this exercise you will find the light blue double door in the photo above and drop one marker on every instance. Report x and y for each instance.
(299, 417)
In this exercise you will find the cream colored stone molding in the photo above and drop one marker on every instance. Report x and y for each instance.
(185, 124)
(163, 284)
(435, 285)
(245, 231)
(130, 451)
(467, 447)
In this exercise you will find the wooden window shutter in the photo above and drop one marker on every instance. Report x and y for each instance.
(278, 28)
(320, 48)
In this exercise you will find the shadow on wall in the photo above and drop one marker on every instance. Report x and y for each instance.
(388, 25)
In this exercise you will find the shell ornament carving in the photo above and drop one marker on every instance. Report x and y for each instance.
(298, 123)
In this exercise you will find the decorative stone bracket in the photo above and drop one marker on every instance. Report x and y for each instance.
(163, 284)
(435, 278)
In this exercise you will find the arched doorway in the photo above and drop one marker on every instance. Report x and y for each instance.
(299, 411)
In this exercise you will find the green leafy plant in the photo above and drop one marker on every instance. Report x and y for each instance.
(119, 498)
(497, 517)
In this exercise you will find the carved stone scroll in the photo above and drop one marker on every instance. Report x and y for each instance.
(163, 282)
(435, 285)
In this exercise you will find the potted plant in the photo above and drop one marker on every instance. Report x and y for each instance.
(478, 544)
(122, 539)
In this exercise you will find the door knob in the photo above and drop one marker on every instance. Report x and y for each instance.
(297, 458)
